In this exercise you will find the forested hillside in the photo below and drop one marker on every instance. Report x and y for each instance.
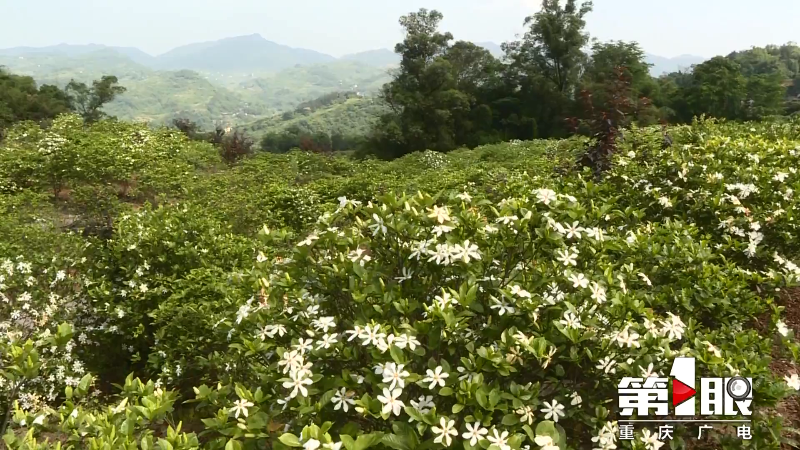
(208, 83)
(339, 113)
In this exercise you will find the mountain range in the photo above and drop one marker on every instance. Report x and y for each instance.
(252, 53)
(236, 80)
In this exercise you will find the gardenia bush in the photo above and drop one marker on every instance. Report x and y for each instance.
(500, 315)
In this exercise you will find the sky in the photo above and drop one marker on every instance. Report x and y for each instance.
(337, 27)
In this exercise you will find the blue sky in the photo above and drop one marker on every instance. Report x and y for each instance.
(666, 28)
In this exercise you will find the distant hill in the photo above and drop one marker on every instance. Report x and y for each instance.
(382, 57)
(250, 53)
(83, 64)
(162, 96)
(493, 48)
(287, 88)
(662, 65)
(340, 112)
(152, 96)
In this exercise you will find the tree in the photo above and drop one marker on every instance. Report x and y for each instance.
(544, 71)
(89, 101)
(717, 88)
(601, 76)
(20, 99)
(422, 94)
(553, 44)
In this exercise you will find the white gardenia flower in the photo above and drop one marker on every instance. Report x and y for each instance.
(424, 405)
(445, 300)
(298, 383)
(519, 292)
(324, 323)
(783, 329)
(607, 365)
(553, 410)
(378, 226)
(674, 327)
(579, 280)
(627, 338)
(568, 257)
(500, 440)
(466, 252)
(395, 375)
(440, 214)
(575, 399)
(327, 340)
(343, 399)
(650, 440)
(545, 196)
(570, 320)
(475, 433)
(308, 240)
(445, 432)
(291, 360)
(240, 407)
(403, 340)
(598, 292)
(526, 414)
(595, 233)
(391, 401)
(649, 372)
(546, 443)
(645, 278)
(304, 345)
(311, 444)
(574, 230)
(465, 197)
(435, 377)
(502, 307)
(793, 381)
(371, 335)
(780, 176)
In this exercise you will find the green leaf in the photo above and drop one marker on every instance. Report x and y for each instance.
(350, 428)
(414, 413)
(446, 391)
(510, 419)
(482, 398)
(348, 441)
(368, 440)
(290, 440)
(396, 442)
(547, 428)
(397, 355)
(457, 408)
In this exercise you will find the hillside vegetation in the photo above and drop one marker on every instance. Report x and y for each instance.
(158, 92)
(345, 113)
(162, 298)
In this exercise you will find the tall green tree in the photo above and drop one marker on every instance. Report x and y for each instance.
(553, 44)
(543, 71)
(436, 94)
(21, 99)
(718, 88)
(89, 101)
